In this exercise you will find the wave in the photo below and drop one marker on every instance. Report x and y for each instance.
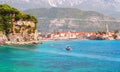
(84, 55)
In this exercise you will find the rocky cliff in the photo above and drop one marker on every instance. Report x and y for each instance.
(15, 26)
(23, 31)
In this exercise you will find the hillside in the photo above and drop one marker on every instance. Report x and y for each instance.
(63, 13)
(10, 15)
(108, 7)
(62, 19)
(16, 26)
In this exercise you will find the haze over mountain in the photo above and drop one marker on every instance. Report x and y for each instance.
(63, 19)
(109, 7)
(75, 15)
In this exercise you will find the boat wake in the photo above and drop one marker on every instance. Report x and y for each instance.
(84, 55)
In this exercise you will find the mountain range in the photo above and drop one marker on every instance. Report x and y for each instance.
(63, 19)
(75, 15)
(108, 7)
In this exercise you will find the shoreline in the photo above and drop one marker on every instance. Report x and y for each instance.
(42, 41)
(74, 40)
(22, 43)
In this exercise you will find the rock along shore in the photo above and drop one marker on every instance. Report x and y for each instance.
(22, 43)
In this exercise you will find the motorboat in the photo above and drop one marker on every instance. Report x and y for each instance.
(68, 48)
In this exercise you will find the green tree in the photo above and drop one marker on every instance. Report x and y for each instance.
(8, 15)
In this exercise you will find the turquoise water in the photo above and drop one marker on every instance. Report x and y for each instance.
(85, 56)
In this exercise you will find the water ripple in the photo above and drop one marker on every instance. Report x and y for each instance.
(85, 55)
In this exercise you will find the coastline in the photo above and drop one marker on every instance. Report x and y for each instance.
(22, 43)
(42, 41)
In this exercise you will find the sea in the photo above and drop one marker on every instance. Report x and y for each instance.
(51, 56)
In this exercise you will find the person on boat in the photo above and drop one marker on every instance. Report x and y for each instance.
(68, 48)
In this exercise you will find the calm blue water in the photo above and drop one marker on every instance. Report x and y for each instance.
(85, 56)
